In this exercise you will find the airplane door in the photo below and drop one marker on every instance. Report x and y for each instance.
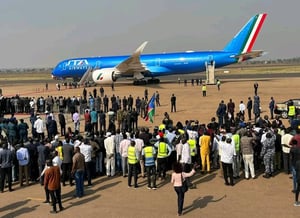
(157, 61)
(64, 66)
(98, 65)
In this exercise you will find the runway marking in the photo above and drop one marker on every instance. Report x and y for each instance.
(35, 199)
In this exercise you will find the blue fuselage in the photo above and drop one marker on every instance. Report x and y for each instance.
(156, 64)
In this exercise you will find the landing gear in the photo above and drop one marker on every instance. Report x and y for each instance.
(153, 81)
(145, 82)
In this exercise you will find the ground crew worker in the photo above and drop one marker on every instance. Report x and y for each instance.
(291, 111)
(133, 159)
(163, 151)
(149, 156)
(204, 90)
(192, 144)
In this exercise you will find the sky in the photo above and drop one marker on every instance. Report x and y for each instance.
(35, 33)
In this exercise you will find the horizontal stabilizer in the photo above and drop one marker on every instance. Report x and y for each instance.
(249, 55)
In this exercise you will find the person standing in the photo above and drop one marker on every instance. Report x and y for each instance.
(23, 158)
(256, 107)
(247, 152)
(78, 171)
(62, 123)
(6, 163)
(123, 149)
(157, 99)
(163, 151)
(205, 145)
(110, 148)
(204, 89)
(267, 153)
(285, 142)
(219, 84)
(133, 159)
(52, 183)
(249, 107)
(271, 107)
(76, 120)
(149, 157)
(295, 153)
(86, 149)
(227, 151)
(67, 162)
(173, 103)
(255, 88)
(178, 176)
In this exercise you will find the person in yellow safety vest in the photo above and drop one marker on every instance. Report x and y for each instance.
(163, 151)
(237, 158)
(149, 157)
(192, 144)
(133, 159)
(291, 111)
(204, 90)
(204, 142)
(59, 150)
(161, 127)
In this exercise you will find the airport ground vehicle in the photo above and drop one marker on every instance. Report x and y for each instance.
(282, 109)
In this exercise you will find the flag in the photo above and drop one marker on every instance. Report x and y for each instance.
(150, 109)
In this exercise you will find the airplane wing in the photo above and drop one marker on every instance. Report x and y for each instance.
(133, 64)
(249, 55)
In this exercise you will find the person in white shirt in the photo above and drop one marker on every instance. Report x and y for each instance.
(110, 148)
(39, 127)
(227, 153)
(86, 149)
(242, 107)
(124, 144)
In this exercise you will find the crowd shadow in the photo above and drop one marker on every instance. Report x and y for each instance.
(14, 205)
(19, 212)
(200, 202)
(82, 200)
(107, 186)
(198, 178)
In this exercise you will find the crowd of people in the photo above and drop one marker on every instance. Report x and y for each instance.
(122, 148)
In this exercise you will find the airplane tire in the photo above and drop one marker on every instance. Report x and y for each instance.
(139, 82)
(153, 81)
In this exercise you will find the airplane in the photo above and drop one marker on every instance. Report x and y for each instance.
(106, 70)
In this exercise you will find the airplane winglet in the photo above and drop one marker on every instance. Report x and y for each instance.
(140, 49)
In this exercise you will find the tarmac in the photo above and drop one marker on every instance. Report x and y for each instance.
(110, 197)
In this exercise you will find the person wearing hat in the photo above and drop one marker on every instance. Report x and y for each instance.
(110, 147)
(52, 183)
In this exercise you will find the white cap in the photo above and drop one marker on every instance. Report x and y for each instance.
(108, 134)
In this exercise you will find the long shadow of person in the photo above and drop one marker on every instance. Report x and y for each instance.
(201, 203)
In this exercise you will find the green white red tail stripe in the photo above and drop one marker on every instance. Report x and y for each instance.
(257, 24)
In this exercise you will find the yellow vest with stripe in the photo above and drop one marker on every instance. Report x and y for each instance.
(132, 159)
(162, 150)
(149, 157)
(192, 144)
(292, 110)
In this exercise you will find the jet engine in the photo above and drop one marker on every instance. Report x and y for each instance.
(105, 75)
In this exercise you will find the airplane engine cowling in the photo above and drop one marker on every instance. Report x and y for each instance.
(105, 75)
